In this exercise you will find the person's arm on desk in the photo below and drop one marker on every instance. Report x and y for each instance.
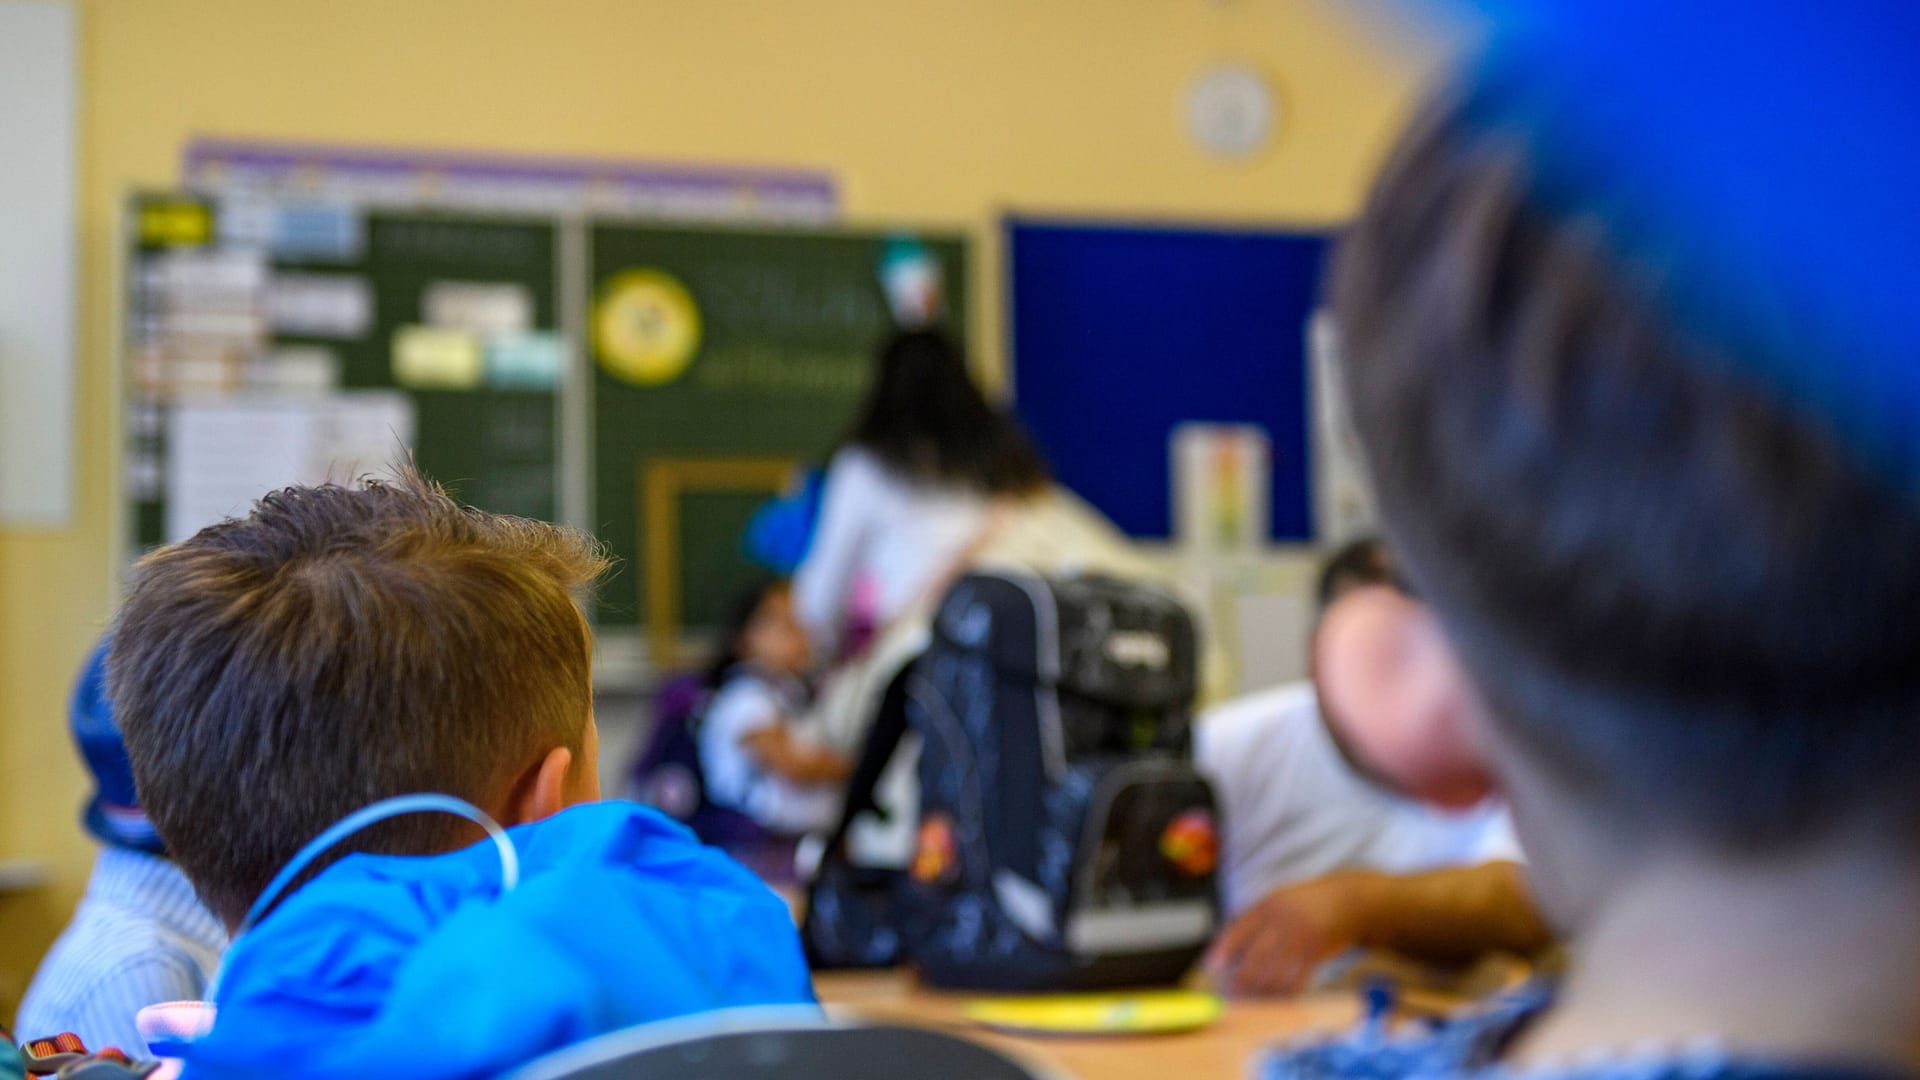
(787, 757)
(1443, 916)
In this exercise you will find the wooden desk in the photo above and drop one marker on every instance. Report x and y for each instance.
(1223, 1050)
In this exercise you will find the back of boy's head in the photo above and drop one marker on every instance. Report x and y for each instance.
(337, 646)
(1356, 564)
(1681, 598)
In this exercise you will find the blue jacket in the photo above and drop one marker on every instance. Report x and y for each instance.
(621, 917)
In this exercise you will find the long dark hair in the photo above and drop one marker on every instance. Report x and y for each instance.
(926, 421)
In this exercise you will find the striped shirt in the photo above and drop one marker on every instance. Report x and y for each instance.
(139, 937)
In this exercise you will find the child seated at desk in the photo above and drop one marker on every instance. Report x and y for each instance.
(1354, 817)
(139, 936)
(1646, 436)
(341, 646)
(755, 755)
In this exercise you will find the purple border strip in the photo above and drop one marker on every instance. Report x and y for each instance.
(281, 158)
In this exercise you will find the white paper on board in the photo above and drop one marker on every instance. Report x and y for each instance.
(246, 222)
(360, 434)
(214, 279)
(206, 324)
(320, 305)
(485, 309)
(295, 370)
(224, 455)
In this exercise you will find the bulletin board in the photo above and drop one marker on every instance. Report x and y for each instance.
(322, 343)
(1121, 332)
(725, 346)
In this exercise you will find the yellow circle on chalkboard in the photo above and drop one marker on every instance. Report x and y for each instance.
(646, 327)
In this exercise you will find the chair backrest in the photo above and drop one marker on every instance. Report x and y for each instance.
(667, 775)
(776, 1045)
(666, 772)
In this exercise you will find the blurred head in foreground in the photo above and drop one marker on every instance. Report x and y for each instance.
(1676, 600)
(1386, 683)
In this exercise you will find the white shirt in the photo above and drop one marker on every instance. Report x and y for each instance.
(138, 938)
(749, 702)
(1292, 808)
(879, 526)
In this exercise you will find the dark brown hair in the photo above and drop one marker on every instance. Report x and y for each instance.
(1674, 589)
(927, 422)
(337, 646)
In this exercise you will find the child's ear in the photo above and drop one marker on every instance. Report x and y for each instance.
(543, 790)
(1456, 772)
(1396, 696)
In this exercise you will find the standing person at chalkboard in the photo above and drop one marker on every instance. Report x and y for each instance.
(909, 491)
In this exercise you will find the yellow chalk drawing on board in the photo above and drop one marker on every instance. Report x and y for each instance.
(646, 327)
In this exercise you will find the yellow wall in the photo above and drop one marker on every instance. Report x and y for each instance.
(947, 111)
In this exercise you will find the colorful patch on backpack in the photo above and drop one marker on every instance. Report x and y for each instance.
(934, 861)
(1191, 843)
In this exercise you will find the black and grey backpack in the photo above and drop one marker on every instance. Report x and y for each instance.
(1065, 840)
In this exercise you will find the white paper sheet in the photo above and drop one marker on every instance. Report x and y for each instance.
(320, 305)
(206, 279)
(224, 455)
(294, 370)
(485, 309)
(359, 435)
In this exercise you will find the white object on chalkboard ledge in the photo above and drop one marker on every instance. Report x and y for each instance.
(1231, 111)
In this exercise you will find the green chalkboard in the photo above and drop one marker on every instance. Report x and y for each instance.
(715, 359)
(717, 345)
(494, 446)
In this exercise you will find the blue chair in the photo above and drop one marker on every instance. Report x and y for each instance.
(776, 1044)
